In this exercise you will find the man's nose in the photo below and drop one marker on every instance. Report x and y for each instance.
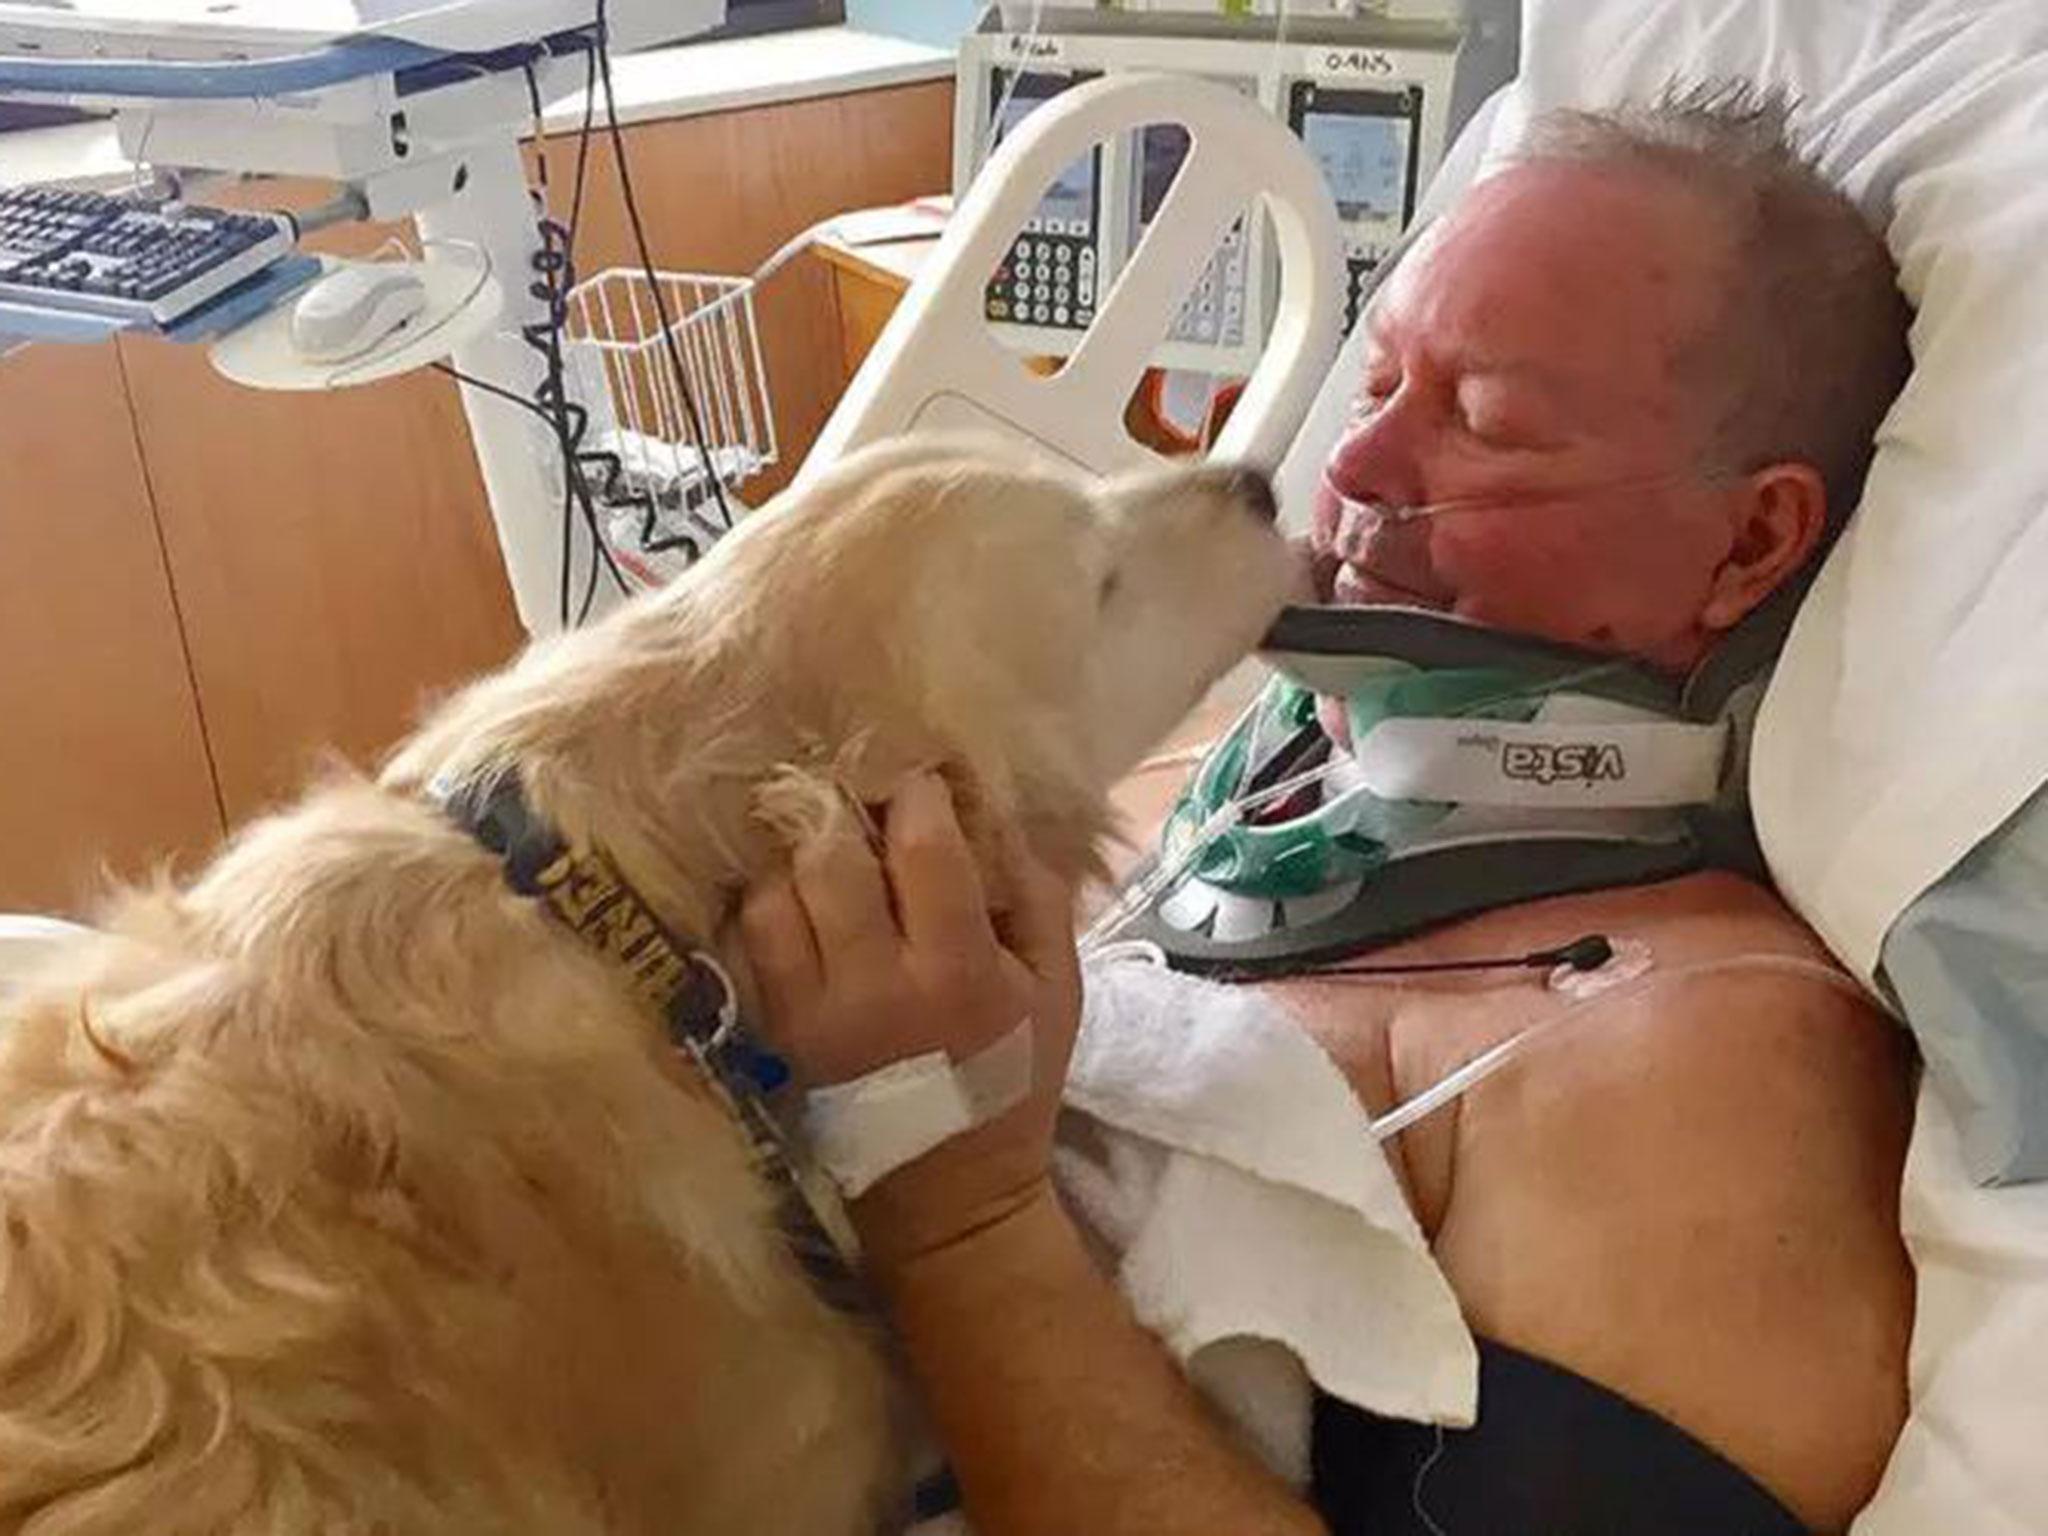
(1376, 458)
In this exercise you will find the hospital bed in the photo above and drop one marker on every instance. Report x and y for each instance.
(1903, 747)
(1905, 738)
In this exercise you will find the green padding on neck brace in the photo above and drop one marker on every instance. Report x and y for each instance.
(1337, 836)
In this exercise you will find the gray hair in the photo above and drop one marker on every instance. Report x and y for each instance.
(1809, 345)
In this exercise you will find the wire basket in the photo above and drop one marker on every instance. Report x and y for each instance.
(660, 508)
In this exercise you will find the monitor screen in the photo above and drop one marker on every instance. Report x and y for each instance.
(1161, 150)
(1072, 194)
(1364, 160)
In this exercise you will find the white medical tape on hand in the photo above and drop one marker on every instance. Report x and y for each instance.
(864, 1130)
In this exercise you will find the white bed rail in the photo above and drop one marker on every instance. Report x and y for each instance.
(938, 366)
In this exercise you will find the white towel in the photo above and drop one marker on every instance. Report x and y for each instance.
(1223, 1165)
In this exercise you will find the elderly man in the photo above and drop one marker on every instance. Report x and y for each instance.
(1644, 363)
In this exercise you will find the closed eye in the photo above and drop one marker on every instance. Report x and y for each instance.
(1509, 437)
(1508, 415)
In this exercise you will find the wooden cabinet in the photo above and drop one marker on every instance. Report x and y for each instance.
(333, 557)
(203, 589)
(102, 759)
(867, 284)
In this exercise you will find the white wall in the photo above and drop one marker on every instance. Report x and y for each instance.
(939, 22)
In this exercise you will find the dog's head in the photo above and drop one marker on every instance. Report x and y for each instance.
(945, 603)
(1032, 632)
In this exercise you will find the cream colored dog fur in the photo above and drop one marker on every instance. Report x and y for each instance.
(342, 1192)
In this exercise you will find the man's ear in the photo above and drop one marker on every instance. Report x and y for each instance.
(1778, 516)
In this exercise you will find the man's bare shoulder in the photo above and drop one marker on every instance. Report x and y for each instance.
(1698, 1188)
(1732, 1073)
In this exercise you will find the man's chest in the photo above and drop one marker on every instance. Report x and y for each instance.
(1394, 1037)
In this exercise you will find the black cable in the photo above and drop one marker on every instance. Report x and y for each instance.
(1584, 954)
(508, 396)
(555, 419)
(512, 398)
(632, 202)
(583, 137)
(554, 278)
(612, 485)
(613, 470)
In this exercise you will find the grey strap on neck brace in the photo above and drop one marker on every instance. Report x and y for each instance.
(1487, 769)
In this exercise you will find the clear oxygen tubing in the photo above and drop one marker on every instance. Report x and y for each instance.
(1168, 873)
(1395, 513)
(1462, 1079)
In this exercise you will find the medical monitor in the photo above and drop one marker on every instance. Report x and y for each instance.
(1072, 196)
(1047, 283)
(1369, 95)
(1368, 145)
(1366, 161)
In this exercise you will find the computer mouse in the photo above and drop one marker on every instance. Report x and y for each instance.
(349, 311)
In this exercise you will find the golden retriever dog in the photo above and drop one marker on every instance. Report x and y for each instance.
(344, 1190)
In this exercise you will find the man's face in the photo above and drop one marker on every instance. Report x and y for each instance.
(1524, 363)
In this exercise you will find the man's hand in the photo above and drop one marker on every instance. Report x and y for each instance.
(1058, 1413)
(864, 961)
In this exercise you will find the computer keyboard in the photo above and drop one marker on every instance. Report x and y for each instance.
(142, 262)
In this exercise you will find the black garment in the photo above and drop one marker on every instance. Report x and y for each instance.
(1552, 1455)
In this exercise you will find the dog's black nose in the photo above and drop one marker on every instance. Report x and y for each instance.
(1255, 491)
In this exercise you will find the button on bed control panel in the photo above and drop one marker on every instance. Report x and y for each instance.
(1048, 278)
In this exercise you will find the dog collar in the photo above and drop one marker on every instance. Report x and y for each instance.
(585, 891)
